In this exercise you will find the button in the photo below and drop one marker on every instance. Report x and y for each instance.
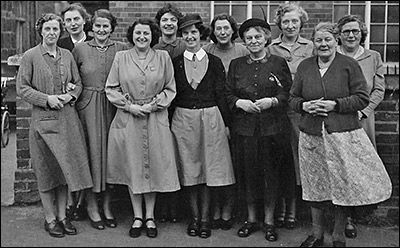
(256, 93)
(256, 69)
(255, 85)
(194, 107)
(255, 75)
(146, 176)
(146, 166)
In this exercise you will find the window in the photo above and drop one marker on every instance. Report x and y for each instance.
(382, 19)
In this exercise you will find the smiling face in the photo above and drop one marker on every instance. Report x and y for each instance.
(291, 24)
(191, 36)
(350, 41)
(169, 24)
(101, 29)
(325, 44)
(51, 32)
(255, 40)
(142, 36)
(223, 31)
(74, 22)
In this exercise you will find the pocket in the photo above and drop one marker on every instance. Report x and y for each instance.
(162, 117)
(48, 122)
(84, 100)
(212, 118)
(120, 119)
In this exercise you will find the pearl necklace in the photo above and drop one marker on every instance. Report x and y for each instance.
(102, 49)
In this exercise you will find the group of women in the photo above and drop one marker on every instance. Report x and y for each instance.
(260, 118)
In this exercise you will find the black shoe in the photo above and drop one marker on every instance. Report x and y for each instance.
(135, 232)
(205, 229)
(54, 228)
(99, 225)
(279, 222)
(290, 223)
(226, 224)
(193, 228)
(151, 232)
(339, 244)
(68, 228)
(312, 241)
(216, 224)
(111, 223)
(270, 232)
(248, 228)
(80, 213)
(350, 231)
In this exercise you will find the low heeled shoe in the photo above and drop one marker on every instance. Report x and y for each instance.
(193, 228)
(151, 232)
(135, 232)
(248, 228)
(270, 232)
(205, 229)
(68, 228)
(54, 229)
(350, 231)
(312, 241)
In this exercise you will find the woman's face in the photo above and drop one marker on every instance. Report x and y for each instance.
(325, 44)
(255, 40)
(74, 22)
(51, 32)
(223, 31)
(191, 36)
(101, 29)
(291, 24)
(351, 40)
(169, 24)
(142, 36)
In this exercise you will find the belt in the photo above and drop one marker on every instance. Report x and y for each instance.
(100, 90)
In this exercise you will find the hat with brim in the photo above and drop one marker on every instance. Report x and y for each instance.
(253, 22)
(188, 20)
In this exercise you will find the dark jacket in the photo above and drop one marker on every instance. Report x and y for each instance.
(66, 42)
(343, 82)
(253, 80)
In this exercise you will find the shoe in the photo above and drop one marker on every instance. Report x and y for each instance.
(68, 228)
(69, 212)
(312, 241)
(279, 222)
(135, 232)
(111, 223)
(216, 224)
(290, 223)
(54, 228)
(226, 224)
(205, 229)
(99, 225)
(80, 213)
(151, 232)
(248, 228)
(350, 231)
(193, 228)
(270, 232)
(339, 244)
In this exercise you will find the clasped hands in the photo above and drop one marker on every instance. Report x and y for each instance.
(319, 107)
(58, 101)
(254, 107)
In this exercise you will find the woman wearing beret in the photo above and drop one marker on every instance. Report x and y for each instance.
(199, 124)
(257, 93)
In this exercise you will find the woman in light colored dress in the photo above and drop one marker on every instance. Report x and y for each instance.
(198, 125)
(339, 166)
(94, 59)
(141, 153)
(56, 139)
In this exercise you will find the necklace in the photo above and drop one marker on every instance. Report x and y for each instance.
(102, 49)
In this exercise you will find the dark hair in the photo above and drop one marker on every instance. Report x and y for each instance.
(203, 30)
(105, 13)
(326, 27)
(289, 7)
(87, 27)
(352, 18)
(231, 21)
(155, 30)
(48, 17)
(168, 8)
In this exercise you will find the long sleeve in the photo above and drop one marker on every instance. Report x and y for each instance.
(165, 97)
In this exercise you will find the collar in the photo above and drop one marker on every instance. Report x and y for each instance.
(279, 40)
(359, 52)
(200, 54)
(79, 41)
(43, 51)
(164, 44)
(264, 60)
(94, 43)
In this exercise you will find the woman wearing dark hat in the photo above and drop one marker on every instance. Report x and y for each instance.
(199, 124)
(257, 92)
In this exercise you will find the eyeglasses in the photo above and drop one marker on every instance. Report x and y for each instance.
(354, 31)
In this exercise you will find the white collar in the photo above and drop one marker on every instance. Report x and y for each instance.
(79, 41)
(359, 52)
(200, 54)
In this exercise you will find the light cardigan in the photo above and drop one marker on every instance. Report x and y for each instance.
(35, 80)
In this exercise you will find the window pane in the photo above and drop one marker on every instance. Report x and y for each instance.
(239, 12)
(339, 12)
(393, 34)
(378, 14)
(358, 10)
(221, 9)
(392, 53)
(377, 33)
(393, 15)
(272, 12)
(378, 48)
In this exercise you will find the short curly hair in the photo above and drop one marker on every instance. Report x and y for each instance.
(154, 28)
(325, 27)
(168, 8)
(289, 7)
(231, 21)
(105, 13)
(353, 18)
(48, 17)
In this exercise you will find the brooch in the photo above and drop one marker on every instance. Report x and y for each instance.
(275, 79)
